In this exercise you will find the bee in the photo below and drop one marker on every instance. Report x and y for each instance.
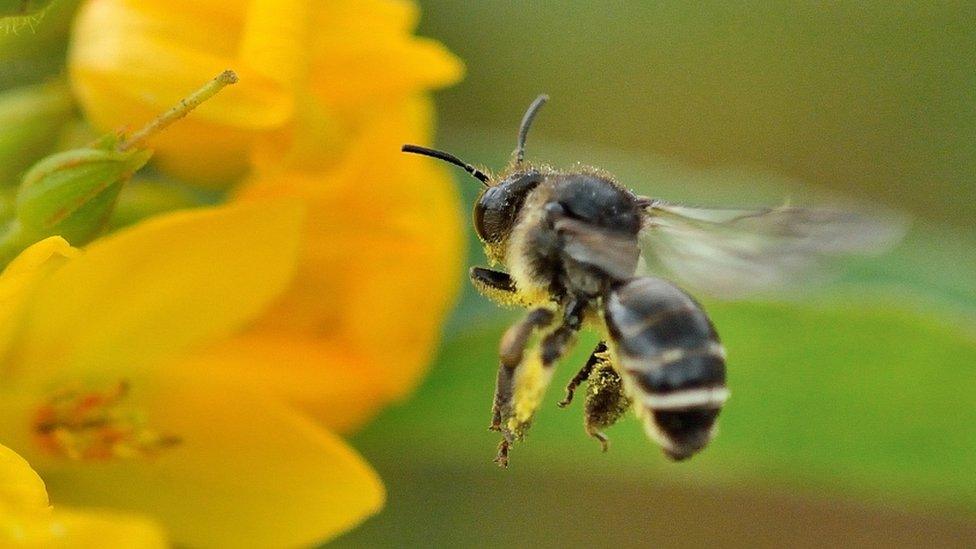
(576, 247)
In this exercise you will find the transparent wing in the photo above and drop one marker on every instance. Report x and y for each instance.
(613, 253)
(733, 253)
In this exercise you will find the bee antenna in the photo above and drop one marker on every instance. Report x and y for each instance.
(526, 122)
(448, 157)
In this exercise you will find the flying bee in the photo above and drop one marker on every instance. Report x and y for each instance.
(575, 246)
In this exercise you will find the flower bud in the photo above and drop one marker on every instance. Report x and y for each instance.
(31, 119)
(73, 193)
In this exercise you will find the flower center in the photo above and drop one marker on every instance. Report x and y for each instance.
(97, 426)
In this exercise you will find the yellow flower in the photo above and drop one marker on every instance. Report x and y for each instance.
(99, 390)
(378, 270)
(300, 61)
(328, 93)
(26, 519)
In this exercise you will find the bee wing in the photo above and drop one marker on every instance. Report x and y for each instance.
(733, 253)
(613, 253)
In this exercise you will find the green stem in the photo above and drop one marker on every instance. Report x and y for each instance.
(180, 110)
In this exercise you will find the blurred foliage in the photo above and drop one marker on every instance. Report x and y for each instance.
(31, 118)
(447, 505)
(30, 51)
(151, 193)
(871, 97)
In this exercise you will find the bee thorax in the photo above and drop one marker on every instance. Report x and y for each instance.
(574, 235)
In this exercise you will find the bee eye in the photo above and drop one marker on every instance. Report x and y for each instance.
(498, 207)
(491, 217)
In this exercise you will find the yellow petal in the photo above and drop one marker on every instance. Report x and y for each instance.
(352, 72)
(18, 280)
(197, 17)
(324, 376)
(380, 263)
(364, 58)
(275, 39)
(396, 17)
(26, 519)
(69, 529)
(21, 490)
(159, 287)
(248, 472)
(154, 58)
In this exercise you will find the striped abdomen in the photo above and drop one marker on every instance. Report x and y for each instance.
(667, 348)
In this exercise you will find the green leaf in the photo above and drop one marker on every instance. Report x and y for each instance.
(860, 398)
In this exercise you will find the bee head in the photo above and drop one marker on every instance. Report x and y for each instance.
(498, 205)
(499, 202)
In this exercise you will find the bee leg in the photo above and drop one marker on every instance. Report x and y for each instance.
(502, 458)
(605, 401)
(511, 351)
(583, 374)
(495, 280)
(495, 285)
(602, 438)
(556, 342)
(553, 345)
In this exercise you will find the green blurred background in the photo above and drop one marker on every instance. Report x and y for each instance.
(853, 415)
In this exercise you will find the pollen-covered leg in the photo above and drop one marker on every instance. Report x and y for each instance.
(511, 352)
(527, 370)
(595, 357)
(502, 457)
(605, 402)
(529, 382)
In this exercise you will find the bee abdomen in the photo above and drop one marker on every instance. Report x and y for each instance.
(667, 347)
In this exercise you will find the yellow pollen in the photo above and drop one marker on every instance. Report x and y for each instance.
(96, 426)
